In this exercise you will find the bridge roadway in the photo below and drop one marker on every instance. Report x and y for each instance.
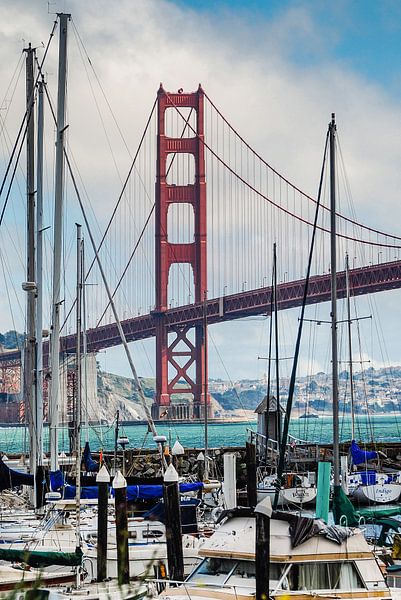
(365, 280)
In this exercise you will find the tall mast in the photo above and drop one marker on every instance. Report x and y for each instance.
(85, 351)
(205, 387)
(29, 354)
(57, 243)
(78, 379)
(351, 371)
(278, 413)
(334, 348)
(39, 278)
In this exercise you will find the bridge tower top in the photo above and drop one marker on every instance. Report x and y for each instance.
(182, 355)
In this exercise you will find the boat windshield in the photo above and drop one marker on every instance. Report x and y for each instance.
(323, 576)
(291, 577)
(213, 570)
(224, 571)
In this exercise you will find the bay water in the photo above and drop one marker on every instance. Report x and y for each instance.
(378, 428)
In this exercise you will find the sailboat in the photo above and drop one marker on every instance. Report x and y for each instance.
(302, 562)
(365, 484)
(296, 488)
(370, 485)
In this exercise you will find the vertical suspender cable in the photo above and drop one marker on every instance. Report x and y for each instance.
(291, 389)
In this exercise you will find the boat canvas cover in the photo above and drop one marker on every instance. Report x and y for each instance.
(91, 465)
(235, 538)
(134, 492)
(304, 528)
(38, 559)
(144, 492)
(360, 456)
(10, 478)
(344, 510)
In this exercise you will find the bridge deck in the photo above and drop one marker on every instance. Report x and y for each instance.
(365, 280)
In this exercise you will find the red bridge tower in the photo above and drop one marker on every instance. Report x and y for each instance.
(183, 356)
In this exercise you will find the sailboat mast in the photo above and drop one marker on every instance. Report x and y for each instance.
(278, 413)
(205, 388)
(85, 352)
(57, 245)
(351, 371)
(78, 397)
(29, 354)
(334, 344)
(39, 278)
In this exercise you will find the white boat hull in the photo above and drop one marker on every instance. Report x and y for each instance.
(297, 495)
(377, 493)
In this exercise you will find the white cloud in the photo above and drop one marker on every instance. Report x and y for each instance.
(251, 70)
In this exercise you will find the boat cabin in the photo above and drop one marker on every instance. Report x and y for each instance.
(317, 565)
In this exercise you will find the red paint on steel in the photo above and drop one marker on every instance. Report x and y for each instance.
(365, 280)
(168, 253)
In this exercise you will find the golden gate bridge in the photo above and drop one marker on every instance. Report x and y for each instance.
(189, 243)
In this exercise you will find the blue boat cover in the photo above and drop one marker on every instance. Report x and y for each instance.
(88, 492)
(10, 478)
(360, 456)
(146, 492)
(368, 477)
(56, 480)
(90, 465)
(134, 492)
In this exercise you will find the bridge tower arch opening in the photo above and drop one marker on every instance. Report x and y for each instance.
(178, 351)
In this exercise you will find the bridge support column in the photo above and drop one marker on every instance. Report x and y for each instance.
(180, 354)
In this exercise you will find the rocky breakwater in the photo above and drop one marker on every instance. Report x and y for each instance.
(145, 464)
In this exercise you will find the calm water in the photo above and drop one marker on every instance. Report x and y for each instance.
(380, 428)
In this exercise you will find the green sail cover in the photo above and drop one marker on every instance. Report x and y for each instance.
(38, 559)
(378, 513)
(343, 507)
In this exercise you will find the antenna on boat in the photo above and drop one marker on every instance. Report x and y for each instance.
(333, 256)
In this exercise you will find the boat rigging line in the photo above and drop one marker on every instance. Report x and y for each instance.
(283, 446)
(112, 304)
(23, 128)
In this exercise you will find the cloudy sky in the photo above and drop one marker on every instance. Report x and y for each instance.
(276, 69)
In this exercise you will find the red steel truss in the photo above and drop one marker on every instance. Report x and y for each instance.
(365, 280)
(181, 355)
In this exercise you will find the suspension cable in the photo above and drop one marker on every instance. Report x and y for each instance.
(281, 208)
(341, 216)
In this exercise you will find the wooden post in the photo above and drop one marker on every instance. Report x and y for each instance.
(102, 480)
(251, 474)
(263, 513)
(40, 486)
(120, 491)
(173, 524)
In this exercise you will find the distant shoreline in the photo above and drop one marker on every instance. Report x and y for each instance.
(235, 420)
